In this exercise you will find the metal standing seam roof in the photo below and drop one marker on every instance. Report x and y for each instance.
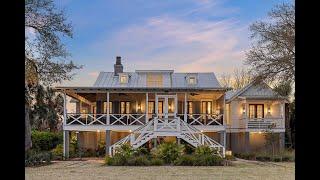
(138, 80)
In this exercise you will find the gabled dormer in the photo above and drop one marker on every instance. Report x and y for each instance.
(192, 79)
(123, 78)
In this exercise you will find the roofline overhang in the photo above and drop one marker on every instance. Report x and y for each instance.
(145, 89)
(259, 98)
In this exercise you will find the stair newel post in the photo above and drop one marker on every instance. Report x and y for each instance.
(131, 138)
(202, 139)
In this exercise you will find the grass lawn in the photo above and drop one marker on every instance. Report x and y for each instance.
(94, 169)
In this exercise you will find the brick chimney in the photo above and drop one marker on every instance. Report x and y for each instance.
(118, 68)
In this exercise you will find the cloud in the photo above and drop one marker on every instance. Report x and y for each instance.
(167, 42)
(93, 74)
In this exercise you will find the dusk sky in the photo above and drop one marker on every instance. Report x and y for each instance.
(186, 36)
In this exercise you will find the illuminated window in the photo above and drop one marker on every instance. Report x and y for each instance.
(105, 107)
(190, 107)
(154, 80)
(206, 107)
(150, 107)
(123, 78)
(125, 107)
(256, 111)
(160, 107)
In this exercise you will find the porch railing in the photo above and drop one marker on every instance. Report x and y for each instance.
(102, 119)
(203, 119)
(262, 123)
(137, 119)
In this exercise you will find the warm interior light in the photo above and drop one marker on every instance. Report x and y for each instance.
(259, 132)
(130, 130)
(98, 130)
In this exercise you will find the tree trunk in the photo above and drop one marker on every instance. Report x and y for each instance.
(28, 142)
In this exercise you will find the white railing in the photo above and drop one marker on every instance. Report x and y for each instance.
(168, 127)
(204, 119)
(102, 119)
(137, 119)
(262, 123)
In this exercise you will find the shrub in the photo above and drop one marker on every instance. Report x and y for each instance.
(277, 159)
(58, 152)
(116, 160)
(156, 162)
(209, 160)
(248, 156)
(203, 150)
(141, 151)
(169, 152)
(189, 149)
(185, 160)
(34, 158)
(101, 149)
(138, 161)
(45, 141)
(125, 150)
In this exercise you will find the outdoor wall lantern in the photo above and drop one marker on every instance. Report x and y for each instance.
(243, 109)
(269, 110)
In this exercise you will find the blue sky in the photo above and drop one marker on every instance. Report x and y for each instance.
(184, 35)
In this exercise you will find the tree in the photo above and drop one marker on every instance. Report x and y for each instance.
(45, 55)
(272, 55)
(271, 139)
(47, 110)
(238, 79)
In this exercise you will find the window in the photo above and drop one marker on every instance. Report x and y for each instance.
(192, 80)
(123, 78)
(256, 111)
(206, 107)
(105, 107)
(124, 107)
(190, 107)
(160, 107)
(151, 107)
(154, 80)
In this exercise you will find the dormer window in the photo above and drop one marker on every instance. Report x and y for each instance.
(123, 78)
(192, 80)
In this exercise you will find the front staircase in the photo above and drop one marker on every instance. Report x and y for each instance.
(168, 127)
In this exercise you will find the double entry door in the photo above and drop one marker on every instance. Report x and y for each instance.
(169, 103)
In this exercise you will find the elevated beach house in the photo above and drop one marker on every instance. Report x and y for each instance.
(147, 107)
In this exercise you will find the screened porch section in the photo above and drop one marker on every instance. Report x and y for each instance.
(135, 108)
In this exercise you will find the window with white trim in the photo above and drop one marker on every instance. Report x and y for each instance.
(192, 80)
(123, 78)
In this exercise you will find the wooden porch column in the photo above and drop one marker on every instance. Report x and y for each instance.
(108, 109)
(147, 99)
(64, 108)
(66, 144)
(156, 104)
(224, 110)
(185, 107)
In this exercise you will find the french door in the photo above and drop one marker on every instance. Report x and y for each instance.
(169, 103)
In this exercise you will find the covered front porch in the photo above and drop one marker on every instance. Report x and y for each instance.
(127, 110)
